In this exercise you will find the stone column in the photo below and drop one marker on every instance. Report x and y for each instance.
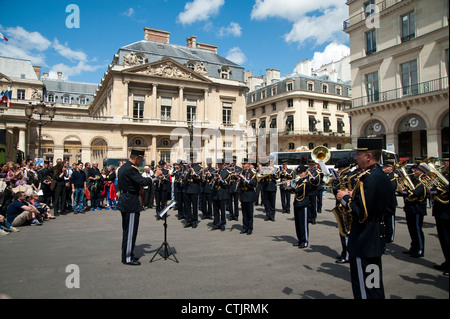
(21, 144)
(155, 102)
(434, 142)
(392, 138)
(153, 149)
(86, 154)
(126, 104)
(205, 111)
(181, 112)
(125, 145)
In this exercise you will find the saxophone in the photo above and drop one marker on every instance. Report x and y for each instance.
(343, 217)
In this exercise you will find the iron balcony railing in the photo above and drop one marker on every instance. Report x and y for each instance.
(403, 92)
(381, 5)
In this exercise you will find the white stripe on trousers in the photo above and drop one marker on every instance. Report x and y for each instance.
(361, 281)
(130, 237)
(306, 224)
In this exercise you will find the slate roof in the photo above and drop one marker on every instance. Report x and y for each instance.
(155, 51)
(17, 68)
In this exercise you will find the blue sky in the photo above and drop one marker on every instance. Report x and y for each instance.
(257, 34)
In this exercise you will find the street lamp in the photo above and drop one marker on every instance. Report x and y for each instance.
(40, 109)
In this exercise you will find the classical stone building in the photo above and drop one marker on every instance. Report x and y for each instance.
(169, 100)
(303, 111)
(22, 78)
(399, 66)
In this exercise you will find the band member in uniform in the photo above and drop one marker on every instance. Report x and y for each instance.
(415, 209)
(130, 183)
(208, 175)
(341, 166)
(162, 187)
(389, 221)
(270, 191)
(441, 214)
(315, 178)
(177, 181)
(301, 206)
(233, 189)
(259, 188)
(367, 204)
(220, 183)
(286, 175)
(247, 184)
(193, 179)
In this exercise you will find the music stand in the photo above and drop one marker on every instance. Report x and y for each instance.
(167, 250)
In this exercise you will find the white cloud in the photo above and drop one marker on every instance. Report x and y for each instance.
(129, 13)
(319, 21)
(199, 10)
(332, 52)
(34, 46)
(234, 29)
(68, 53)
(69, 71)
(236, 55)
(24, 45)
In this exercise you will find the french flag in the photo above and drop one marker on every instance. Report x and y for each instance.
(4, 38)
(6, 97)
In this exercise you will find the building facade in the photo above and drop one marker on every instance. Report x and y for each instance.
(399, 69)
(23, 79)
(171, 101)
(303, 112)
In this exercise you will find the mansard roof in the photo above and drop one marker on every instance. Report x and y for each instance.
(156, 51)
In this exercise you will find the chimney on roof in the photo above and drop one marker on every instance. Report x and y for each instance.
(156, 35)
(37, 70)
(59, 75)
(45, 75)
(209, 47)
(191, 42)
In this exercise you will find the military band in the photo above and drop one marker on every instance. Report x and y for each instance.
(365, 200)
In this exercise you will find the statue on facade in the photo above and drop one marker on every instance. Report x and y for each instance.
(130, 59)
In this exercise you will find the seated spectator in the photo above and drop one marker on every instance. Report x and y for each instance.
(5, 225)
(43, 209)
(20, 213)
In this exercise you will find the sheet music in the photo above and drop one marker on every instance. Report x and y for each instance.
(169, 207)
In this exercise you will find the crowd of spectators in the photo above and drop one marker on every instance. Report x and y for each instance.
(28, 193)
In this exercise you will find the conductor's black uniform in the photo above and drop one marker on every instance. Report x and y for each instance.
(130, 183)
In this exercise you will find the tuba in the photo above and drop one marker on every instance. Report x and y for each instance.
(432, 177)
(343, 217)
(320, 154)
(403, 177)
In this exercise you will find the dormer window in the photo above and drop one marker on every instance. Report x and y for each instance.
(225, 73)
(141, 58)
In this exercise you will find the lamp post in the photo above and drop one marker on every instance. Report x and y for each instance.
(40, 109)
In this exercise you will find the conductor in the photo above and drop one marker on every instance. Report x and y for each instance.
(130, 183)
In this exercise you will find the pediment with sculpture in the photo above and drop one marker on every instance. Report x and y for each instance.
(169, 68)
